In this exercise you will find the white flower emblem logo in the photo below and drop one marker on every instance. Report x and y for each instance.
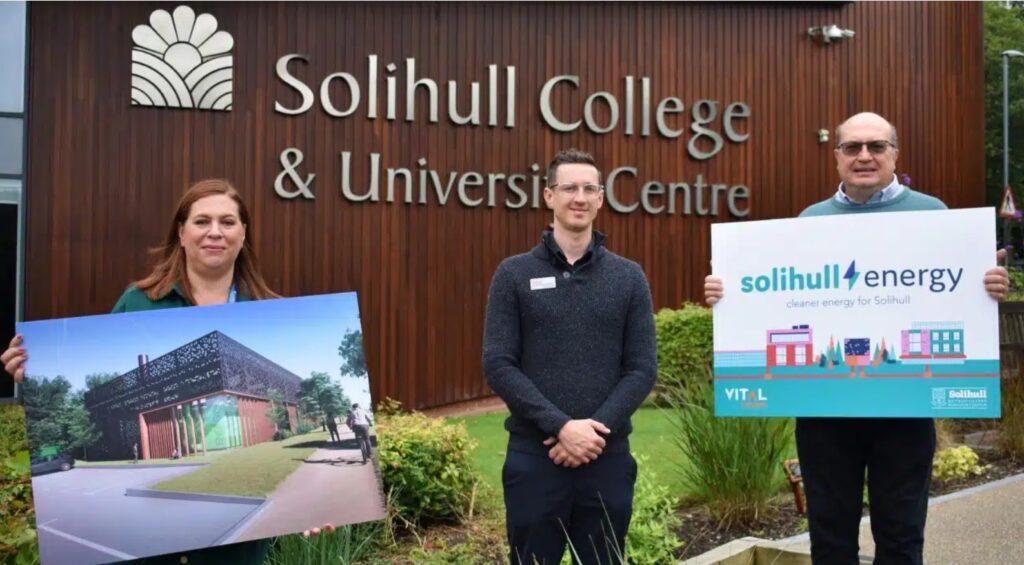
(182, 61)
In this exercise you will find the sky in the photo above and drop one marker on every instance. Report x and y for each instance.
(300, 334)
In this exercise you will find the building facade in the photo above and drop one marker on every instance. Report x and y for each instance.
(398, 149)
(209, 394)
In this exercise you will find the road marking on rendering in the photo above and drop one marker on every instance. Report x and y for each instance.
(87, 543)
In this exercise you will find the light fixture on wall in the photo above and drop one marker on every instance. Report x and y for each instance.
(830, 33)
(822, 135)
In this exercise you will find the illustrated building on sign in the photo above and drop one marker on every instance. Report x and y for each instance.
(211, 393)
(793, 347)
(182, 61)
(933, 342)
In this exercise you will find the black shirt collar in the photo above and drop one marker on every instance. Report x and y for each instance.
(556, 254)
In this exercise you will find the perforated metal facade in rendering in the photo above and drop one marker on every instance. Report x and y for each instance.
(210, 365)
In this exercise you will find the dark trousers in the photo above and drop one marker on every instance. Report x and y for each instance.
(897, 455)
(547, 505)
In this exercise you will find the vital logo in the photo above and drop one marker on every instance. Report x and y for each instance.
(182, 61)
(745, 395)
(788, 279)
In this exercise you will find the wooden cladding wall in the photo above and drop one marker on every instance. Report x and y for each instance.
(104, 176)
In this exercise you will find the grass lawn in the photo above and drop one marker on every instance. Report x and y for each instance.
(651, 438)
(250, 471)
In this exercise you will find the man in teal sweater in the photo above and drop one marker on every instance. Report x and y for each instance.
(896, 452)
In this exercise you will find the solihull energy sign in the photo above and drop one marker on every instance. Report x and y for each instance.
(183, 61)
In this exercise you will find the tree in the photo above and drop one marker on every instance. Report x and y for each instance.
(320, 398)
(277, 412)
(78, 430)
(44, 401)
(96, 379)
(353, 361)
(57, 417)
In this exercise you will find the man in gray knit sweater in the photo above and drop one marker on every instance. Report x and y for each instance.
(569, 346)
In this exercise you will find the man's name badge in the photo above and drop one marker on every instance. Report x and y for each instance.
(542, 283)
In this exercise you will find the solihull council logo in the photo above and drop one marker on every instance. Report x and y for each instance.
(182, 61)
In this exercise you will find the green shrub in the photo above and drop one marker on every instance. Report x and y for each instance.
(1016, 284)
(652, 532)
(956, 463)
(651, 539)
(684, 343)
(17, 517)
(282, 434)
(732, 464)
(12, 430)
(426, 465)
(1011, 425)
(304, 427)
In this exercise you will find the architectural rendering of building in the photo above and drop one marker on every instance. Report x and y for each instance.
(211, 393)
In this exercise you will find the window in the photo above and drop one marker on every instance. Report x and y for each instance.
(915, 343)
(935, 336)
(780, 355)
(801, 356)
(12, 57)
(945, 335)
(956, 348)
(791, 338)
(945, 348)
(935, 348)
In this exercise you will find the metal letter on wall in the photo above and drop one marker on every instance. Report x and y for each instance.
(182, 61)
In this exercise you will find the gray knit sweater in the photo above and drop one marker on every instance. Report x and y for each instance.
(568, 342)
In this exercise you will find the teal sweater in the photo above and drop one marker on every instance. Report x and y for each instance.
(908, 201)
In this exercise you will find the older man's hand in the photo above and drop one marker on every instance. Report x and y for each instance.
(712, 289)
(997, 279)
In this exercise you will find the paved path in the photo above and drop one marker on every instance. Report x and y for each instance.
(331, 486)
(84, 517)
(977, 526)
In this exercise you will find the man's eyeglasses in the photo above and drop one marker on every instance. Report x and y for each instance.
(569, 188)
(853, 148)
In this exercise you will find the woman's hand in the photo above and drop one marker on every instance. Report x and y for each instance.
(14, 357)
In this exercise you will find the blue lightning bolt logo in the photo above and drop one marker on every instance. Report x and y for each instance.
(851, 274)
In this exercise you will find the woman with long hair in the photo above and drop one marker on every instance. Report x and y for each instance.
(208, 257)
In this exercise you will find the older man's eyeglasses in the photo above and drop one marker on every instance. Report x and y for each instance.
(853, 148)
(569, 188)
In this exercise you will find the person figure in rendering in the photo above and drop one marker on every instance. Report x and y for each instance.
(359, 423)
(569, 346)
(135, 452)
(332, 426)
(896, 452)
(208, 257)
